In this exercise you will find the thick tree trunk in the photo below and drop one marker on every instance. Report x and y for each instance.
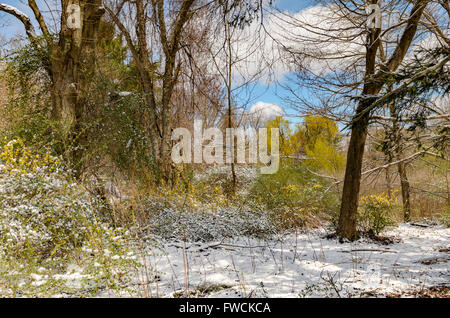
(350, 192)
(64, 95)
(73, 65)
(352, 181)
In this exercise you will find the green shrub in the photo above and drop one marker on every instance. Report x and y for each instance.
(375, 213)
(29, 102)
(295, 196)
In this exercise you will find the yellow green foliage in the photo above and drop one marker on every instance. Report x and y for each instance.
(317, 137)
(320, 128)
(376, 212)
(321, 136)
(325, 156)
(286, 142)
(15, 156)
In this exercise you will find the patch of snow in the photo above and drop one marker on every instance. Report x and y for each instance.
(304, 265)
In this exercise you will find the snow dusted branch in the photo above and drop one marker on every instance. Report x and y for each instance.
(29, 29)
(413, 156)
(444, 116)
(409, 158)
(392, 93)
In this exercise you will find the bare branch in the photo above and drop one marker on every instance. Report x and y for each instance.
(29, 28)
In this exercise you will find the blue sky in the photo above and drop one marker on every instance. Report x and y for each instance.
(274, 94)
(292, 5)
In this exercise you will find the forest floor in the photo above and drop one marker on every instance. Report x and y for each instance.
(413, 261)
(203, 254)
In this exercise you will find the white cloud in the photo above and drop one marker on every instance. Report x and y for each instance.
(262, 55)
(321, 37)
(261, 112)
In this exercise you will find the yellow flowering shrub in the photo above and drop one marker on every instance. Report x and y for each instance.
(290, 190)
(376, 212)
(16, 157)
(47, 221)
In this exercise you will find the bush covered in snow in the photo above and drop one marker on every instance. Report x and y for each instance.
(41, 213)
(207, 225)
(47, 222)
(204, 210)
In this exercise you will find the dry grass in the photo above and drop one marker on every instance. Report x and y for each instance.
(427, 185)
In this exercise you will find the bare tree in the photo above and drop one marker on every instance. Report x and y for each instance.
(350, 63)
(155, 40)
(236, 41)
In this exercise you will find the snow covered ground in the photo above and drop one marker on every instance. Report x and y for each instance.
(302, 265)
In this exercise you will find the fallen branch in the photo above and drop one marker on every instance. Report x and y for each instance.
(419, 225)
(369, 250)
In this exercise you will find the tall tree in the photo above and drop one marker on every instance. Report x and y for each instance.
(349, 63)
(373, 83)
(68, 52)
(155, 42)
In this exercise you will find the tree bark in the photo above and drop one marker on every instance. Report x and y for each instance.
(405, 191)
(352, 180)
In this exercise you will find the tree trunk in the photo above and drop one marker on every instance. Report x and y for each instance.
(388, 179)
(73, 63)
(350, 193)
(352, 181)
(373, 83)
(64, 93)
(405, 191)
(401, 166)
(229, 104)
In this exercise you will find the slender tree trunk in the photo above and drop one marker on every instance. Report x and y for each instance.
(405, 191)
(388, 178)
(230, 111)
(401, 166)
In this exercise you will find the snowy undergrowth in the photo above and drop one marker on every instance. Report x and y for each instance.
(53, 238)
(305, 265)
(55, 241)
(207, 225)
